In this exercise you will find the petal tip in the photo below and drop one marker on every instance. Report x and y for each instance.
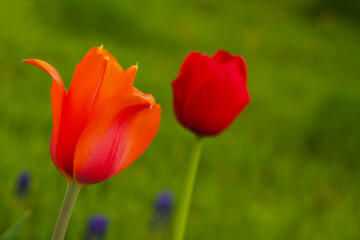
(27, 60)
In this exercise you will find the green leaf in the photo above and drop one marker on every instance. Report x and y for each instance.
(10, 233)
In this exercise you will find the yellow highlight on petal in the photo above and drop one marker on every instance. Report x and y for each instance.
(100, 49)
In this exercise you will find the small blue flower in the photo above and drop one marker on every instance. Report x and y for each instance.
(96, 227)
(23, 184)
(163, 207)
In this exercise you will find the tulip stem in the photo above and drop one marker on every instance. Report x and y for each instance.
(71, 194)
(184, 204)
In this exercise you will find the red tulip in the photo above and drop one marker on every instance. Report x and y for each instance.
(102, 124)
(210, 92)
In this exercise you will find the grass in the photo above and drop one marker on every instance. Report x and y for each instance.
(287, 168)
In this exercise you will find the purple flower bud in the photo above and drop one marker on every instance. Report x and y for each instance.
(163, 207)
(23, 183)
(164, 202)
(96, 227)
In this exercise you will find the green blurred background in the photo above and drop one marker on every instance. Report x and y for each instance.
(287, 168)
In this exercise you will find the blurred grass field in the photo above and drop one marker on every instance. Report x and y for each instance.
(288, 167)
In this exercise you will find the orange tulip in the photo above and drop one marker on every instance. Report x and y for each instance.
(103, 123)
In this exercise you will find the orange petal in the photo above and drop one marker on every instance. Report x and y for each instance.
(131, 72)
(147, 97)
(142, 132)
(115, 82)
(96, 79)
(99, 51)
(57, 92)
(114, 138)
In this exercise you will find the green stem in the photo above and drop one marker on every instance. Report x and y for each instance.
(184, 204)
(71, 194)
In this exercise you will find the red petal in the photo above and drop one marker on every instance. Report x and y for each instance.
(186, 81)
(53, 156)
(114, 138)
(223, 57)
(231, 96)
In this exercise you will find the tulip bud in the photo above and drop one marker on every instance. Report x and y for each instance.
(210, 92)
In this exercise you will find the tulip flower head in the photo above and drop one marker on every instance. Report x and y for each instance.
(96, 227)
(22, 184)
(163, 207)
(210, 92)
(102, 124)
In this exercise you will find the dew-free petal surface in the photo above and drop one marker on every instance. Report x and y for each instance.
(57, 92)
(115, 137)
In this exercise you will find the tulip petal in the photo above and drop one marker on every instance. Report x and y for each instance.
(131, 72)
(222, 57)
(187, 71)
(231, 96)
(114, 138)
(99, 51)
(57, 92)
(115, 82)
(53, 155)
(97, 78)
(214, 104)
(187, 81)
(147, 97)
